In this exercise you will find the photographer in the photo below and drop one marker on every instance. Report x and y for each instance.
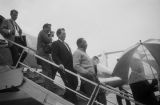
(43, 49)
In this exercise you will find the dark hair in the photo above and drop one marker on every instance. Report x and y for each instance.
(95, 57)
(79, 42)
(46, 25)
(1, 19)
(59, 31)
(13, 10)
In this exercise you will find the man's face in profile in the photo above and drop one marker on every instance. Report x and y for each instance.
(62, 36)
(84, 44)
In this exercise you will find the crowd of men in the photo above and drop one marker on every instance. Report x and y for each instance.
(58, 52)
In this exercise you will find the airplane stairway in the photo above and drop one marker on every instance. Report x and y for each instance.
(28, 92)
(17, 98)
(22, 91)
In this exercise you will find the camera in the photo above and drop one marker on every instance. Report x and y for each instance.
(51, 34)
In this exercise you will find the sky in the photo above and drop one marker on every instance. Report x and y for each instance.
(107, 25)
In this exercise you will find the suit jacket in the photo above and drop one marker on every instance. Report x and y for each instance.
(43, 40)
(61, 54)
(8, 24)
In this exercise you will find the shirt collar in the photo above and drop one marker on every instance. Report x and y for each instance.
(81, 49)
(61, 41)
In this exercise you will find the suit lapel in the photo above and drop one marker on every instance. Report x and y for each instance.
(15, 26)
(65, 45)
(68, 48)
(12, 24)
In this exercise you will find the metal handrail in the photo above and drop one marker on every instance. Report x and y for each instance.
(113, 90)
(132, 100)
(27, 49)
(33, 70)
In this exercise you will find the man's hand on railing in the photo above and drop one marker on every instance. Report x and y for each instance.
(61, 67)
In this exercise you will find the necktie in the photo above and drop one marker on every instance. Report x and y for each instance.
(16, 28)
(67, 46)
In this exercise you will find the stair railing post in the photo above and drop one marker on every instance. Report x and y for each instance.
(93, 95)
(19, 58)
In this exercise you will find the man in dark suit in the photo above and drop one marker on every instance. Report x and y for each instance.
(62, 56)
(11, 30)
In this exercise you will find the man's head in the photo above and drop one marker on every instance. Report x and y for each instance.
(61, 34)
(47, 27)
(95, 60)
(82, 43)
(14, 14)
